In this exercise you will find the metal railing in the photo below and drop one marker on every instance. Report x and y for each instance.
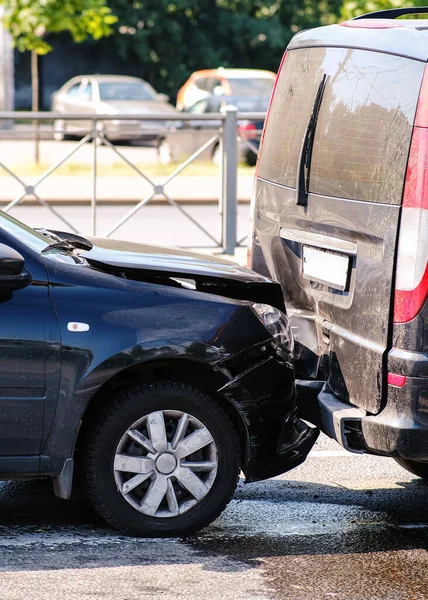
(226, 137)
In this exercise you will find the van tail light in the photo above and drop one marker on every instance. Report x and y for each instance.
(268, 110)
(411, 278)
(248, 131)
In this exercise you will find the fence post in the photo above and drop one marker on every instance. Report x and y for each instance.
(230, 172)
(94, 177)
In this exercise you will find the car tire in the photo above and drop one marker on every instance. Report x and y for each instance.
(216, 155)
(59, 131)
(159, 504)
(165, 155)
(251, 158)
(417, 468)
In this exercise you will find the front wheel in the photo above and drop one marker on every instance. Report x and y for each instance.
(216, 156)
(161, 460)
(417, 468)
(165, 154)
(59, 130)
(251, 158)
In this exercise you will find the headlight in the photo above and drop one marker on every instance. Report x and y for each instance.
(277, 323)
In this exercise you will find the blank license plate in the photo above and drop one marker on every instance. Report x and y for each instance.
(325, 267)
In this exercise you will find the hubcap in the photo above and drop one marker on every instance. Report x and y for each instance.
(165, 463)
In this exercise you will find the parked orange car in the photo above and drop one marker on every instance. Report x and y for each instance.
(224, 82)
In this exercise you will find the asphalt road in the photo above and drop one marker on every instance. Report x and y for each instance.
(339, 527)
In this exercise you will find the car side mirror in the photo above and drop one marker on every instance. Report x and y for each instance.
(12, 263)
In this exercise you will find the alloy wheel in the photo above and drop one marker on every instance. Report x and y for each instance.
(165, 463)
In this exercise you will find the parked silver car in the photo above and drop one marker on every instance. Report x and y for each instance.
(110, 94)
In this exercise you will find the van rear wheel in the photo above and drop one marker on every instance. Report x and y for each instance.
(413, 466)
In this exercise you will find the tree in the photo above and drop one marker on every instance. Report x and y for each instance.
(172, 38)
(29, 21)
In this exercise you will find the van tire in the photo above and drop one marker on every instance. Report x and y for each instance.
(413, 466)
(111, 425)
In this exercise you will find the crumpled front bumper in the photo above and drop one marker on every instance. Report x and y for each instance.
(276, 440)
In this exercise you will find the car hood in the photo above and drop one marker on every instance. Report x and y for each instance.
(163, 265)
(139, 106)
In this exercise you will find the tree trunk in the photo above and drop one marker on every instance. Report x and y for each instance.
(35, 102)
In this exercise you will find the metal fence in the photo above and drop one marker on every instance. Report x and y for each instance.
(227, 137)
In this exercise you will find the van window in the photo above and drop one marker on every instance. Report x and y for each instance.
(364, 126)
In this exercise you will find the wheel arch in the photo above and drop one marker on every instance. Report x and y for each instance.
(198, 374)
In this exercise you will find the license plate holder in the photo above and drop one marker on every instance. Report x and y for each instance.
(328, 268)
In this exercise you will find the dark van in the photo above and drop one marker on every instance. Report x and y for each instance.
(340, 219)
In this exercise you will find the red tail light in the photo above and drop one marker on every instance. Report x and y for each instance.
(411, 278)
(268, 110)
(248, 131)
(396, 380)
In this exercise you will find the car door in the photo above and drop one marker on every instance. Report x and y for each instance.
(83, 104)
(29, 361)
(197, 92)
(333, 248)
(196, 132)
(67, 103)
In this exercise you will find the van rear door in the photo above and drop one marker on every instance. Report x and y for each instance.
(333, 248)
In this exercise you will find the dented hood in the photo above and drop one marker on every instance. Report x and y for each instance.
(156, 263)
(169, 261)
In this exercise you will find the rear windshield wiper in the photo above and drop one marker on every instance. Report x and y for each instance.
(303, 171)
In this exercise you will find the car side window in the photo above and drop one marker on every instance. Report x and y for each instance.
(201, 84)
(213, 82)
(74, 90)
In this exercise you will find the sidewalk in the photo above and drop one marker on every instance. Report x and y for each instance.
(122, 189)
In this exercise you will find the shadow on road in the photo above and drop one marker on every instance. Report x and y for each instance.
(266, 519)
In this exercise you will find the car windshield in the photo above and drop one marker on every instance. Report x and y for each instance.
(259, 86)
(36, 241)
(126, 91)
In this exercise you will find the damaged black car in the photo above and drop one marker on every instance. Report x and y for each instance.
(148, 376)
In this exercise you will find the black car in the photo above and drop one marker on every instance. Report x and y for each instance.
(190, 136)
(153, 375)
(341, 221)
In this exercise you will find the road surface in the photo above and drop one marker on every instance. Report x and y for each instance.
(342, 527)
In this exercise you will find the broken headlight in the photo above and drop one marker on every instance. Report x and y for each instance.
(277, 323)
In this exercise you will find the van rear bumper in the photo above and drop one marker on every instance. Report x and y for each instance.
(399, 430)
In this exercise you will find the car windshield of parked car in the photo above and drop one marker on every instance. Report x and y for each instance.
(261, 86)
(126, 91)
(23, 233)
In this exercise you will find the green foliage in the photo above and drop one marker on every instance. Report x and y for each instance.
(172, 38)
(354, 8)
(28, 21)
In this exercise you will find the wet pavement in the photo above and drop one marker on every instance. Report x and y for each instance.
(340, 526)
